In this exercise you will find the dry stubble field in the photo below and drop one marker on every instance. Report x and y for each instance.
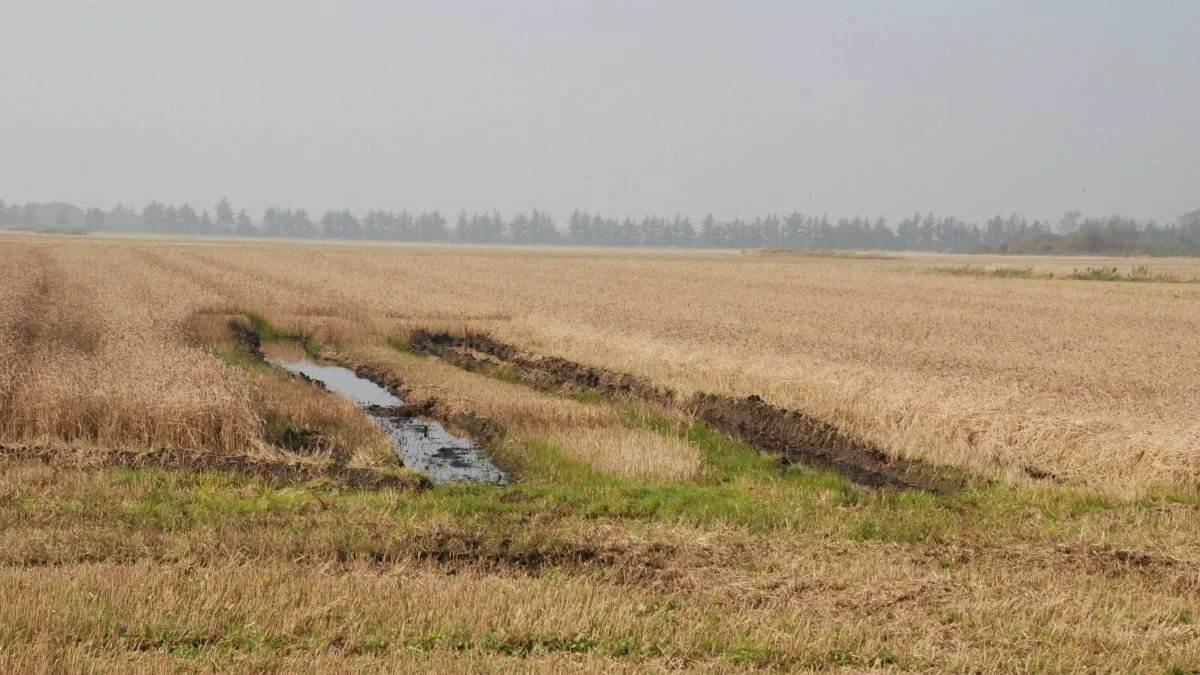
(154, 515)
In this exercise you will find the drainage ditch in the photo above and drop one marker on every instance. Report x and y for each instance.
(423, 444)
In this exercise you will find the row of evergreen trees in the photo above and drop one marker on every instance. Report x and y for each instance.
(537, 227)
(919, 232)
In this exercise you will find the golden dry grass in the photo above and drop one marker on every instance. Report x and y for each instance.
(90, 353)
(364, 608)
(665, 556)
(123, 568)
(1089, 381)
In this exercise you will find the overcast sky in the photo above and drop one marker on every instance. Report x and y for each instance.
(966, 107)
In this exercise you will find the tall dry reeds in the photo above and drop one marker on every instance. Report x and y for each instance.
(89, 357)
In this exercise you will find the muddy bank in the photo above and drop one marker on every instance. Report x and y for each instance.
(796, 436)
(800, 438)
(481, 353)
(187, 460)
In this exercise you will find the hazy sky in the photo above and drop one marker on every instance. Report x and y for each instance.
(967, 107)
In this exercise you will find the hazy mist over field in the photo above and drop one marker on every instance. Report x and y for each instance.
(624, 108)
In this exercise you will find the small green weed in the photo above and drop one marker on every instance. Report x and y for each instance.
(263, 329)
(401, 343)
(239, 358)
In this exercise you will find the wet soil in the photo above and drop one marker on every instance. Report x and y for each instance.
(796, 436)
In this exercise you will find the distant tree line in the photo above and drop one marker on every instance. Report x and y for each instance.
(920, 232)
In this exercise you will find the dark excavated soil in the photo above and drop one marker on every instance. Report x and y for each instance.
(795, 436)
(800, 438)
(543, 372)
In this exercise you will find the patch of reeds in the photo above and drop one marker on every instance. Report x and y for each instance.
(1103, 273)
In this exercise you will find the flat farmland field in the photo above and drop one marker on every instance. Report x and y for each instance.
(712, 460)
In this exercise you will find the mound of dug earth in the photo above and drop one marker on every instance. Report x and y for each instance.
(796, 436)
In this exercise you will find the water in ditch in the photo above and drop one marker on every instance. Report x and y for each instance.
(424, 444)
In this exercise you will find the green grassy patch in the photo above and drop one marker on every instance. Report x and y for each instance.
(401, 343)
(587, 396)
(721, 457)
(312, 346)
(239, 358)
(1170, 497)
(210, 499)
(263, 329)
(507, 374)
(742, 488)
(266, 332)
(564, 497)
